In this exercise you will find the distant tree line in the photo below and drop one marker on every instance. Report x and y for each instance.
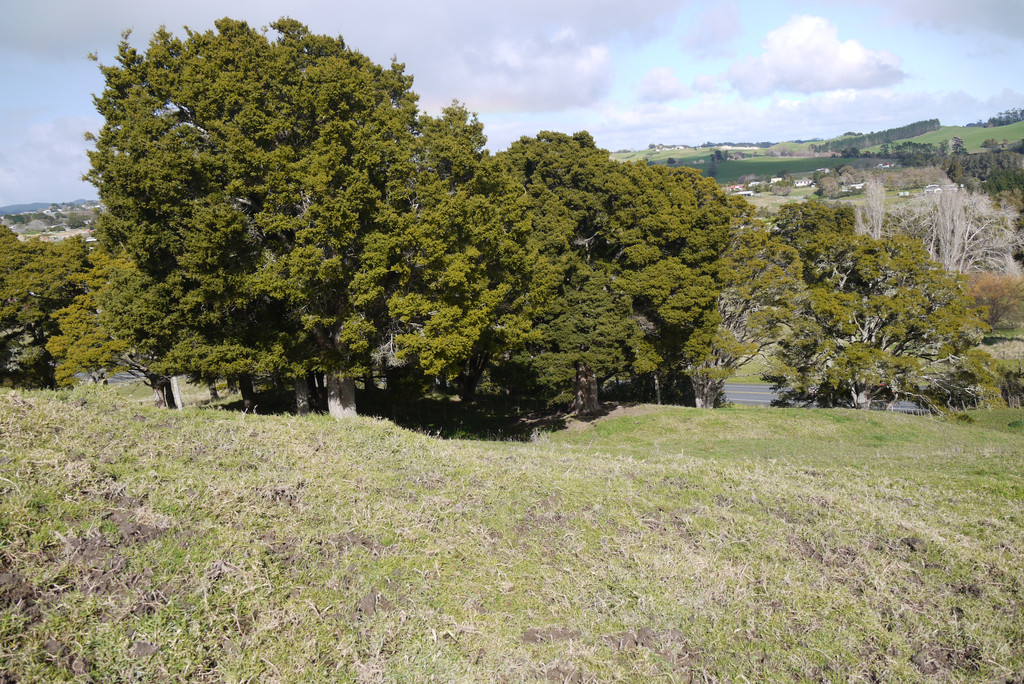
(860, 141)
(1010, 116)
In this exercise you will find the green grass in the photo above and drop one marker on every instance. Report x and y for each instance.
(972, 136)
(656, 544)
(731, 171)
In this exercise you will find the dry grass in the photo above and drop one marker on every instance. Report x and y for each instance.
(661, 545)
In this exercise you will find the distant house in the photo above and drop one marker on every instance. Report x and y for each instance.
(776, 180)
(744, 193)
(857, 186)
(802, 183)
(933, 189)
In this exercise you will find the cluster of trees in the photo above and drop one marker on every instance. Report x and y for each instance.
(845, 320)
(1010, 116)
(278, 207)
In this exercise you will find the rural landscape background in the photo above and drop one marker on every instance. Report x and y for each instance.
(447, 413)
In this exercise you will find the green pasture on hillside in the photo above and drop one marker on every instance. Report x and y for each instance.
(731, 171)
(654, 544)
(972, 136)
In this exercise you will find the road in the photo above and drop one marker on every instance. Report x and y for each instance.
(748, 394)
(744, 394)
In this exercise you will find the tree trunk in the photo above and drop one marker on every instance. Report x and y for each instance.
(248, 391)
(232, 385)
(163, 397)
(341, 396)
(861, 398)
(169, 399)
(469, 378)
(214, 394)
(158, 396)
(303, 396)
(706, 391)
(657, 388)
(176, 391)
(585, 399)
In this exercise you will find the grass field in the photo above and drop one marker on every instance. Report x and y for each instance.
(972, 136)
(731, 171)
(655, 544)
(763, 165)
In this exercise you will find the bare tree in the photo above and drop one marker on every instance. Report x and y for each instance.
(962, 230)
(871, 217)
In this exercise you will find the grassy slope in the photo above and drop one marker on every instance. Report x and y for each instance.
(729, 172)
(660, 544)
(972, 136)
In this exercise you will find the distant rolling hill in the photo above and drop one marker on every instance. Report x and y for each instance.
(973, 136)
(35, 206)
(796, 158)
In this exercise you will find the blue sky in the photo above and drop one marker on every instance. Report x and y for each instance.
(630, 72)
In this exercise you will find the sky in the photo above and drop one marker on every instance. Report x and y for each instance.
(631, 72)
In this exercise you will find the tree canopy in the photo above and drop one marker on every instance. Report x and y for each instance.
(881, 322)
(277, 206)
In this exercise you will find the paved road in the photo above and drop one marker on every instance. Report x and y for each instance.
(762, 395)
(748, 394)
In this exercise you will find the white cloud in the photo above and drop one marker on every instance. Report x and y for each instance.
(805, 55)
(536, 74)
(662, 85)
(401, 27)
(714, 32)
(706, 83)
(718, 118)
(517, 54)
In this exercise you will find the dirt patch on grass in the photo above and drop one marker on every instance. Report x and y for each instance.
(542, 635)
(289, 496)
(19, 596)
(671, 645)
(933, 660)
(371, 604)
(645, 637)
(352, 540)
(133, 532)
(565, 673)
(64, 657)
(610, 410)
(915, 544)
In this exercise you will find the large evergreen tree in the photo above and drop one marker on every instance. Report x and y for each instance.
(464, 294)
(627, 254)
(257, 183)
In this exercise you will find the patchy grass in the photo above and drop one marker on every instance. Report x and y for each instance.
(656, 544)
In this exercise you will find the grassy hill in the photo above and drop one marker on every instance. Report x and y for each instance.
(972, 136)
(758, 163)
(654, 544)
(762, 162)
